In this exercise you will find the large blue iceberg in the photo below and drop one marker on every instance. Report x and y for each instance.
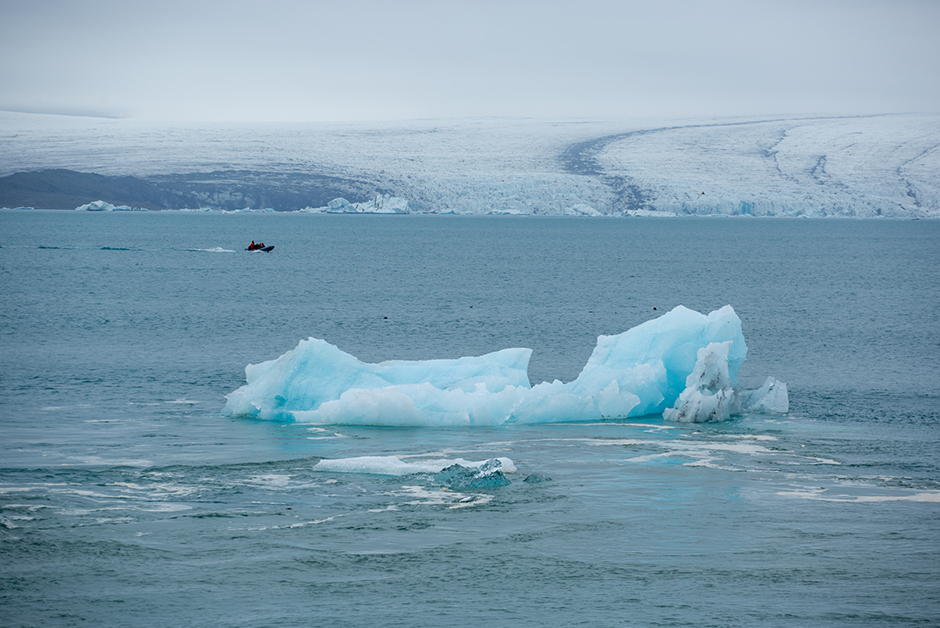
(683, 364)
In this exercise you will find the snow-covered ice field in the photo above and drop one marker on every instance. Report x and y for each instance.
(883, 165)
(871, 166)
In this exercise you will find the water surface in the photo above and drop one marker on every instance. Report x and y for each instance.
(128, 498)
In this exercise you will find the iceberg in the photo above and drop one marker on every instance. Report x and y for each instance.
(771, 397)
(683, 364)
(102, 206)
(581, 209)
(380, 204)
(318, 383)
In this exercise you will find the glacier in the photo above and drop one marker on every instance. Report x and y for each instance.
(683, 364)
(851, 166)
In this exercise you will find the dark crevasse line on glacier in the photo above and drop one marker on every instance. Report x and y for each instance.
(581, 158)
(911, 191)
(819, 172)
(771, 152)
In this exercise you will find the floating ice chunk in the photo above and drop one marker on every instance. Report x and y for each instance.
(771, 397)
(393, 465)
(387, 204)
(381, 204)
(708, 395)
(459, 477)
(536, 478)
(649, 213)
(639, 372)
(317, 382)
(506, 211)
(581, 209)
(651, 362)
(102, 206)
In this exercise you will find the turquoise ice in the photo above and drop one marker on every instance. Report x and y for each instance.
(639, 372)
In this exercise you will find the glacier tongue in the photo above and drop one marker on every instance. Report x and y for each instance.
(684, 363)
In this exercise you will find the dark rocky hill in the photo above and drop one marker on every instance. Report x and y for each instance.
(228, 190)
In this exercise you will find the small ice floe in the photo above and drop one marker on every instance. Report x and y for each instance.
(395, 466)
(826, 495)
(459, 477)
(443, 497)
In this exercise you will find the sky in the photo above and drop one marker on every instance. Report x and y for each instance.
(372, 60)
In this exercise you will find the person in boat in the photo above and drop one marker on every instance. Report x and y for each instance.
(252, 247)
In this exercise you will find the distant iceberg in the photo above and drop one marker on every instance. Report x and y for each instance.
(381, 204)
(102, 206)
(683, 364)
(582, 209)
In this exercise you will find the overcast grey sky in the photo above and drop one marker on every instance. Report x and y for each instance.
(385, 60)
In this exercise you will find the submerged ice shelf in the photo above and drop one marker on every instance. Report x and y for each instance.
(683, 364)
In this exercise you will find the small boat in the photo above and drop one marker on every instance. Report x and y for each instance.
(266, 249)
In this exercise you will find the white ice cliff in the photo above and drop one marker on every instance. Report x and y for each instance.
(684, 363)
